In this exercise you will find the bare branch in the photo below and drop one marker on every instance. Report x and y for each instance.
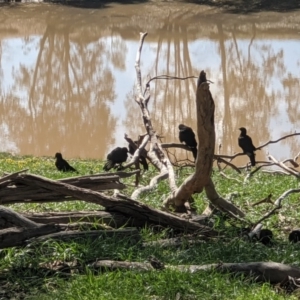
(283, 166)
(277, 204)
(280, 139)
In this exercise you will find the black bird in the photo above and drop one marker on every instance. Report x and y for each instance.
(294, 236)
(142, 159)
(62, 165)
(187, 136)
(116, 156)
(245, 142)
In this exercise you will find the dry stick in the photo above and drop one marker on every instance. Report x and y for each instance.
(277, 204)
(273, 142)
(283, 166)
(182, 146)
(123, 205)
(137, 153)
(168, 77)
(231, 157)
(156, 155)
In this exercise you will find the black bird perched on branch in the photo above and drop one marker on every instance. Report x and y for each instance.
(62, 165)
(187, 136)
(245, 142)
(116, 156)
(142, 159)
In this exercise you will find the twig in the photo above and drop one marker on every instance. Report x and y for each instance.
(265, 200)
(275, 141)
(277, 204)
(283, 166)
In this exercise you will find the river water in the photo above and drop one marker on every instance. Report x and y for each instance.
(67, 76)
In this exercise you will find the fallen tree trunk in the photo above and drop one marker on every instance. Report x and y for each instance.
(112, 219)
(132, 234)
(123, 205)
(9, 218)
(262, 271)
(15, 189)
(15, 236)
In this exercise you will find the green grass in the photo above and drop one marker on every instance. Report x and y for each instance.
(24, 279)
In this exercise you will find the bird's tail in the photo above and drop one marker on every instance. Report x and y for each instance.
(194, 151)
(108, 165)
(252, 158)
(143, 161)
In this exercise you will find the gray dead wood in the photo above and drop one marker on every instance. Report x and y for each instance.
(9, 218)
(112, 219)
(19, 190)
(262, 271)
(15, 236)
(124, 205)
(131, 234)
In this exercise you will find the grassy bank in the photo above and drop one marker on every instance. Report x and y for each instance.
(25, 280)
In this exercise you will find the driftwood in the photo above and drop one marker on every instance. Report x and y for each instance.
(123, 205)
(16, 189)
(131, 234)
(262, 271)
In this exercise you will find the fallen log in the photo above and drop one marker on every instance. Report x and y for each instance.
(112, 219)
(262, 271)
(132, 234)
(123, 205)
(15, 189)
(9, 218)
(16, 236)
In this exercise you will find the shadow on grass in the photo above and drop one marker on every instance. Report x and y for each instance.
(250, 6)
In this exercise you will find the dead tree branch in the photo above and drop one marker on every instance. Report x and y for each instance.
(123, 205)
(284, 167)
(272, 272)
(277, 205)
(155, 154)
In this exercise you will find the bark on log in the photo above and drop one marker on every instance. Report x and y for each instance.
(262, 271)
(132, 234)
(112, 219)
(18, 189)
(16, 236)
(122, 205)
(9, 218)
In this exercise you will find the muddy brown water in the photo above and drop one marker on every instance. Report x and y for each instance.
(67, 75)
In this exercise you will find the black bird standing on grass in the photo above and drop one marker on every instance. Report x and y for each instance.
(62, 165)
(245, 142)
(187, 136)
(116, 156)
(142, 159)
